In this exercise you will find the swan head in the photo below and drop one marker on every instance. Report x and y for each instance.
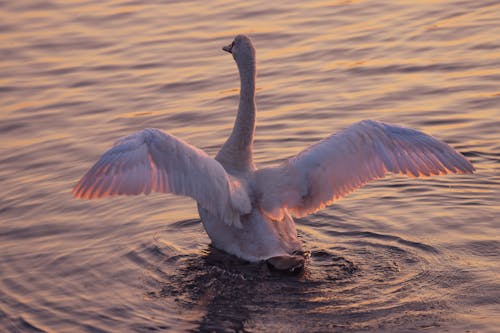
(242, 49)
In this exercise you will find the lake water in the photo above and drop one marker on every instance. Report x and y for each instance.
(397, 255)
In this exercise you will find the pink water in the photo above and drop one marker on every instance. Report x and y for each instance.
(398, 255)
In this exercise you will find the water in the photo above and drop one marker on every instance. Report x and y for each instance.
(398, 255)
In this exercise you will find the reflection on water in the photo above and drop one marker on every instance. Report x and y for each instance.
(365, 281)
(398, 255)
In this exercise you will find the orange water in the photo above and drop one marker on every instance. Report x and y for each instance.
(398, 255)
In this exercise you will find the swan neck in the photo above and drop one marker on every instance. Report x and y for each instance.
(244, 125)
(236, 154)
(247, 82)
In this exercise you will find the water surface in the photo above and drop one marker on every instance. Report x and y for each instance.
(398, 255)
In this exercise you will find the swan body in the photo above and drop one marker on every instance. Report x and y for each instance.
(245, 210)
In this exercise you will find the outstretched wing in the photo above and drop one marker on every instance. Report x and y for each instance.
(151, 160)
(345, 161)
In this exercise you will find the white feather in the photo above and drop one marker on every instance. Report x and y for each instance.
(343, 162)
(151, 160)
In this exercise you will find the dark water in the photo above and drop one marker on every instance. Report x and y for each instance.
(398, 255)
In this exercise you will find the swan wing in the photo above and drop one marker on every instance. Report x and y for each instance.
(343, 162)
(151, 160)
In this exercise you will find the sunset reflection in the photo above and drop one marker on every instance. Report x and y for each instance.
(400, 254)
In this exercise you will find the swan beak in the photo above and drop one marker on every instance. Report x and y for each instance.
(228, 48)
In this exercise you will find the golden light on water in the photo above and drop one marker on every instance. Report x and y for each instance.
(399, 254)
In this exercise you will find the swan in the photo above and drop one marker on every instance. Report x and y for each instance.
(247, 211)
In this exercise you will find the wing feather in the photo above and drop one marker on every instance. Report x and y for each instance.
(151, 160)
(345, 161)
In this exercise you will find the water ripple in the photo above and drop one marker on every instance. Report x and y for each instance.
(398, 255)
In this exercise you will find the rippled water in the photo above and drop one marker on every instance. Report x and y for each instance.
(398, 255)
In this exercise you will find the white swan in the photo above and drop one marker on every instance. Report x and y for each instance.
(246, 211)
